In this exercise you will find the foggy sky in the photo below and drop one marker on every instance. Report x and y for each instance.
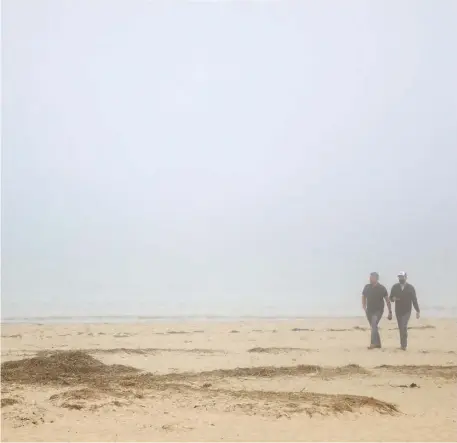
(238, 158)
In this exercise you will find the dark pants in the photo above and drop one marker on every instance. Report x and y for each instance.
(402, 320)
(374, 318)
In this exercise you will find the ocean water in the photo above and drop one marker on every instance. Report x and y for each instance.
(433, 312)
(143, 319)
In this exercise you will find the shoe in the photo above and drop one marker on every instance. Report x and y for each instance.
(403, 348)
(374, 347)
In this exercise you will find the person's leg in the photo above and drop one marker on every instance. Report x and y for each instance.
(373, 319)
(403, 321)
(377, 337)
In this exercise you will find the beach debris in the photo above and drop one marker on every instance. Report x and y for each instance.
(277, 350)
(9, 402)
(60, 367)
(439, 371)
(412, 385)
(99, 382)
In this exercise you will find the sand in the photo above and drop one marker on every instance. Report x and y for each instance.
(282, 380)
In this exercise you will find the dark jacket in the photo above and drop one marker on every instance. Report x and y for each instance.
(404, 300)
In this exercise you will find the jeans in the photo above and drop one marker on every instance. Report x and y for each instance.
(402, 320)
(374, 318)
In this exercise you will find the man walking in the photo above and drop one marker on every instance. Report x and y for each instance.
(373, 296)
(404, 296)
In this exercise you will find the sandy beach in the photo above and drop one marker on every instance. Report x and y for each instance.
(259, 380)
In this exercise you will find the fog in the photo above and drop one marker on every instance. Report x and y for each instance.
(226, 158)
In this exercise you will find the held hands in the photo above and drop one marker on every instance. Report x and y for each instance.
(389, 317)
(418, 315)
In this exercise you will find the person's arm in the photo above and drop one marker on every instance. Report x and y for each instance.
(389, 306)
(415, 302)
(364, 299)
(392, 297)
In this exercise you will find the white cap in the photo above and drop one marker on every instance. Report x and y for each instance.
(401, 274)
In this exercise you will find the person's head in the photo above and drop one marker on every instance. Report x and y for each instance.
(374, 278)
(402, 277)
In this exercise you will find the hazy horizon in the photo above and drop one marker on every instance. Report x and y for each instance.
(229, 158)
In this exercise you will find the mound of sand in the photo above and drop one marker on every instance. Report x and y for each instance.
(76, 399)
(314, 403)
(445, 372)
(277, 350)
(301, 330)
(359, 328)
(273, 371)
(112, 385)
(145, 351)
(148, 380)
(255, 402)
(63, 367)
(416, 327)
(9, 402)
(77, 394)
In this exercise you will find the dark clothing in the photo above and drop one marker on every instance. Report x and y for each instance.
(404, 299)
(373, 319)
(402, 321)
(375, 298)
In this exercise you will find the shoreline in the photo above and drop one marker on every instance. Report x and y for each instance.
(131, 319)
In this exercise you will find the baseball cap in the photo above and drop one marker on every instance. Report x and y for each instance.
(401, 274)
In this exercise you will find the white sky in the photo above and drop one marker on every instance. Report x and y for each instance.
(226, 157)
